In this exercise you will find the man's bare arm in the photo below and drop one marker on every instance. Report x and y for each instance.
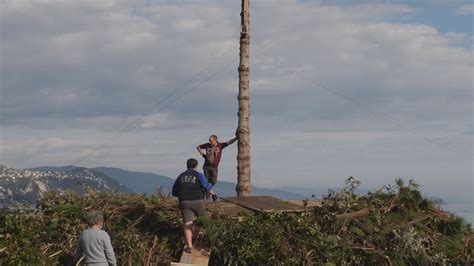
(200, 151)
(231, 141)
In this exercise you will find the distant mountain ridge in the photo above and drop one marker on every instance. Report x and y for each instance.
(28, 185)
(140, 182)
(79, 171)
(148, 183)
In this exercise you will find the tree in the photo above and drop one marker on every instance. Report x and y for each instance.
(243, 130)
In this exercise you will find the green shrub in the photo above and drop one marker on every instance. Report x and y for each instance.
(402, 228)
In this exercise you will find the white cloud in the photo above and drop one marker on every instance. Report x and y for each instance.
(155, 120)
(34, 149)
(79, 71)
(466, 10)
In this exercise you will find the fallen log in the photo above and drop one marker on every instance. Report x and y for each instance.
(363, 227)
(410, 223)
(353, 215)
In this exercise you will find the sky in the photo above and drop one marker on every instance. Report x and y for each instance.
(371, 89)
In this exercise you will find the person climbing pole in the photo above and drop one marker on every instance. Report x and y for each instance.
(212, 152)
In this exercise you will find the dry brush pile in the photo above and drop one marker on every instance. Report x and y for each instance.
(144, 230)
(392, 226)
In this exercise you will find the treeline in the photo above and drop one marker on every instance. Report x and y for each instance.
(392, 226)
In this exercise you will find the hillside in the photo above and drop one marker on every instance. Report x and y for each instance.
(148, 183)
(27, 186)
(139, 182)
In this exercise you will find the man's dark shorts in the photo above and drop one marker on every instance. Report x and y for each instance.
(211, 174)
(191, 208)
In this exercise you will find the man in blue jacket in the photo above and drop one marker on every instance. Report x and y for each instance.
(189, 188)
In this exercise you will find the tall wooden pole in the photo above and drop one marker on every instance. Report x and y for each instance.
(243, 131)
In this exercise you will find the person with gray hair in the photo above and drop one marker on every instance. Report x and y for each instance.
(94, 243)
